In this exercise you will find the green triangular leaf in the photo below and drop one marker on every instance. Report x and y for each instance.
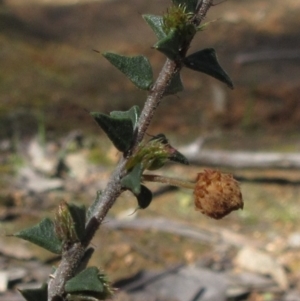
(156, 23)
(85, 259)
(133, 114)
(118, 130)
(136, 68)
(179, 157)
(86, 281)
(161, 138)
(78, 214)
(206, 61)
(38, 294)
(144, 198)
(132, 180)
(175, 85)
(189, 4)
(43, 235)
(169, 45)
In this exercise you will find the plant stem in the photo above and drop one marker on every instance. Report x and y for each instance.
(169, 181)
(202, 9)
(70, 261)
(71, 258)
(113, 188)
(156, 94)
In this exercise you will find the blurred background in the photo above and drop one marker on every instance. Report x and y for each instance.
(51, 150)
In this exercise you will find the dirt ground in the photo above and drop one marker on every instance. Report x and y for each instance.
(50, 77)
(51, 47)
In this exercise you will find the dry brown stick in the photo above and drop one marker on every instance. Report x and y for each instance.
(243, 159)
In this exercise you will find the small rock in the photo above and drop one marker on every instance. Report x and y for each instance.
(242, 283)
(3, 281)
(15, 249)
(128, 214)
(293, 295)
(294, 240)
(250, 280)
(36, 183)
(78, 165)
(16, 274)
(41, 161)
(189, 283)
(260, 262)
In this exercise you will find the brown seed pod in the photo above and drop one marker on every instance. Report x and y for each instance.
(217, 194)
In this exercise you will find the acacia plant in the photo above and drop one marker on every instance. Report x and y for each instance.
(73, 227)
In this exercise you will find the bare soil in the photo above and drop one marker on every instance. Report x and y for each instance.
(50, 67)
